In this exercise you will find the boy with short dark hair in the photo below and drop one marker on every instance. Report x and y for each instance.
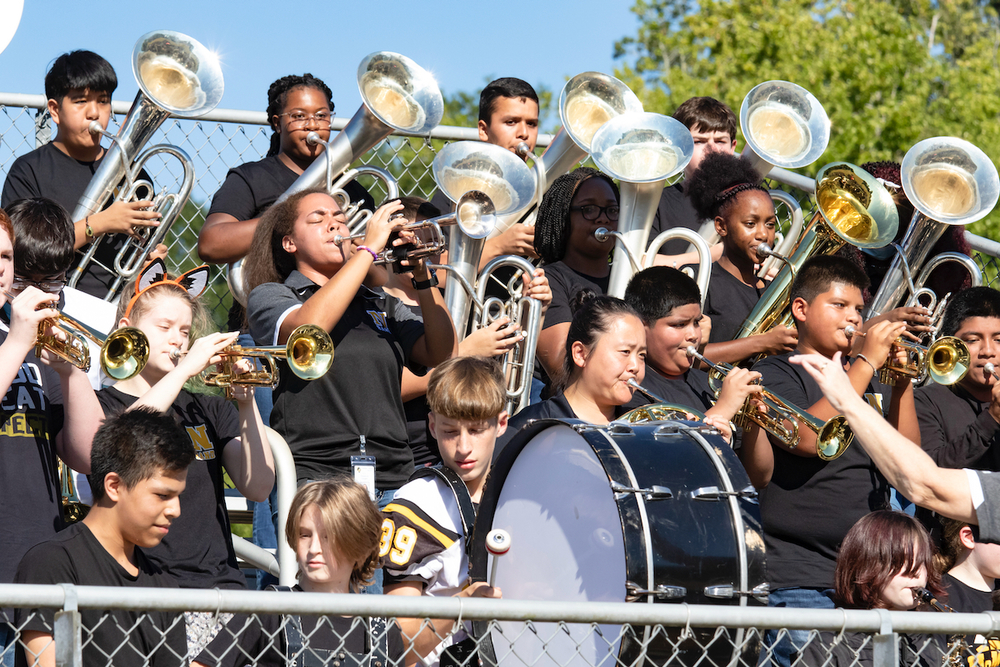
(960, 424)
(713, 128)
(423, 534)
(669, 303)
(78, 87)
(808, 504)
(139, 467)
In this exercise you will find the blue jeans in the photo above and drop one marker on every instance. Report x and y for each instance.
(8, 642)
(383, 498)
(536, 390)
(779, 645)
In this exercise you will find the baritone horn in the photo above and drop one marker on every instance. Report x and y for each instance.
(309, 353)
(176, 75)
(781, 418)
(643, 151)
(949, 181)
(784, 126)
(851, 207)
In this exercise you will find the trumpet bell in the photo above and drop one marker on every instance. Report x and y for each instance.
(784, 125)
(400, 93)
(642, 147)
(948, 360)
(834, 438)
(856, 206)
(124, 353)
(309, 352)
(591, 99)
(473, 165)
(950, 180)
(177, 73)
(475, 214)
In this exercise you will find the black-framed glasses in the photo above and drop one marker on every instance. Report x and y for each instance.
(49, 284)
(322, 118)
(592, 212)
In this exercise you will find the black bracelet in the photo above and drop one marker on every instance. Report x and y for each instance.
(425, 284)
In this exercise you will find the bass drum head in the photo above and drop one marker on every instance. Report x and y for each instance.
(574, 539)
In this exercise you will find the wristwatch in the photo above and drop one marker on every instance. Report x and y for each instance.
(425, 284)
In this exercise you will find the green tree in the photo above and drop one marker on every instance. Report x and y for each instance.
(888, 72)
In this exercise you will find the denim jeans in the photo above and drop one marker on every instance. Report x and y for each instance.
(779, 645)
(8, 642)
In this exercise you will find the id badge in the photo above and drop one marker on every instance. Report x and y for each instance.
(363, 469)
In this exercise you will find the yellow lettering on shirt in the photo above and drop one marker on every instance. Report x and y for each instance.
(875, 400)
(20, 425)
(203, 448)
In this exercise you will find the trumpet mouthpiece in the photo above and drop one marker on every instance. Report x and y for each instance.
(850, 330)
(691, 350)
(176, 353)
(990, 368)
(313, 139)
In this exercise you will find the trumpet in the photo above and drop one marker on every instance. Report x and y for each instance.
(660, 410)
(124, 352)
(833, 437)
(474, 215)
(992, 370)
(946, 360)
(309, 353)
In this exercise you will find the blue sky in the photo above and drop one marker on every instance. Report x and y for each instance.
(461, 42)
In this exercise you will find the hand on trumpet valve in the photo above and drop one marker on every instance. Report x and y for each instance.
(739, 384)
(29, 309)
(204, 352)
(381, 225)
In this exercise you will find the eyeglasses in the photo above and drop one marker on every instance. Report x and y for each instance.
(323, 119)
(50, 285)
(592, 212)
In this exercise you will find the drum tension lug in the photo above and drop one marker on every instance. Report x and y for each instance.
(654, 492)
(633, 592)
(728, 592)
(713, 493)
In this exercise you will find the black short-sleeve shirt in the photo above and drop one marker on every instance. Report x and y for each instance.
(198, 550)
(690, 390)
(323, 419)
(675, 210)
(48, 172)
(957, 430)
(31, 414)
(810, 504)
(136, 638)
(565, 284)
(728, 303)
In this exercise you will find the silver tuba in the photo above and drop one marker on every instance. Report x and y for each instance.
(176, 75)
(643, 151)
(949, 182)
(784, 126)
(586, 102)
(473, 165)
(397, 95)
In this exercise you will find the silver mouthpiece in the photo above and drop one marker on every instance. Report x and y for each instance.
(692, 351)
(602, 234)
(850, 331)
(95, 127)
(991, 369)
(764, 250)
(176, 353)
(523, 151)
(314, 139)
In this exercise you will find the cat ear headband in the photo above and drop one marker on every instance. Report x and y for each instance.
(194, 282)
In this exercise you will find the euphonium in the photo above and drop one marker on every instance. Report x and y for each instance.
(586, 102)
(784, 126)
(458, 168)
(309, 353)
(833, 437)
(946, 360)
(176, 75)
(852, 207)
(918, 291)
(643, 151)
(949, 181)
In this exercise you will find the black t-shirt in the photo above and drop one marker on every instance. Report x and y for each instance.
(690, 390)
(31, 415)
(137, 638)
(323, 419)
(963, 598)
(260, 639)
(251, 188)
(422, 442)
(48, 172)
(957, 430)
(728, 303)
(198, 550)
(810, 504)
(674, 210)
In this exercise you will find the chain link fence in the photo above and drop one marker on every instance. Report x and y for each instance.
(111, 626)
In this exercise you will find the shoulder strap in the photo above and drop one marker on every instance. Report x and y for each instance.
(377, 642)
(462, 496)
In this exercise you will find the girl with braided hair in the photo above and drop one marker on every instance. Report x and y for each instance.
(574, 207)
(726, 189)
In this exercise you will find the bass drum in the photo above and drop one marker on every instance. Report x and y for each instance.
(653, 513)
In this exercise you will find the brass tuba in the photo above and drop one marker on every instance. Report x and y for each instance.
(176, 75)
(949, 181)
(851, 207)
(643, 151)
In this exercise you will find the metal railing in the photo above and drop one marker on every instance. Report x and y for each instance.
(517, 632)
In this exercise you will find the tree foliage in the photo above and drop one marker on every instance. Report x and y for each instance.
(888, 72)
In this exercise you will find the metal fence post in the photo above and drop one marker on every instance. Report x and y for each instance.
(886, 643)
(66, 631)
